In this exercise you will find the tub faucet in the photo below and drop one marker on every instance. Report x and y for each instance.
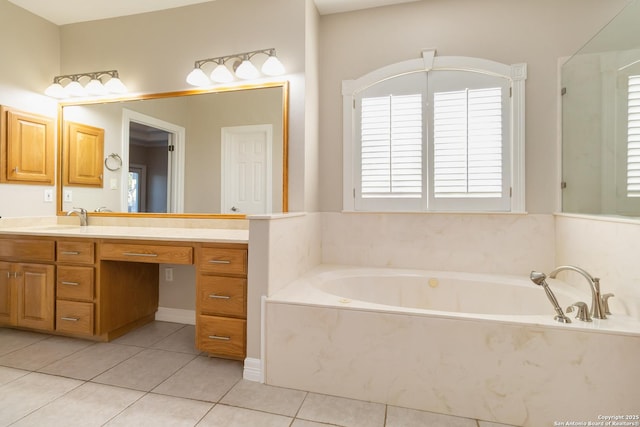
(82, 213)
(539, 279)
(597, 310)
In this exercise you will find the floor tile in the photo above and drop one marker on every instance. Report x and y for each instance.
(304, 423)
(262, 397)
(30, 392)
(13, 339)
(43, 353)
(91, 361)
(204, 378)
(149, 334)
(228, 416)
(9, 374)
(490, 424)
(156, 410)
(88, 405)
(341, 411)
(145, 370)
(402, 417)
(183, 341)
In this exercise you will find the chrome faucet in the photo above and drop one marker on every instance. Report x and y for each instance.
(82, 213)
(597, 309)
(539, 279)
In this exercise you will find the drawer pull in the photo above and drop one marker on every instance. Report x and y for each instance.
(214, 296)
(70, 252)
(216, 337)
(139, 254)
(219, 261)
(70, 319)
(71, 283)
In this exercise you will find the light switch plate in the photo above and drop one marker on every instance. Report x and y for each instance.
(48, 195)
(68, 196)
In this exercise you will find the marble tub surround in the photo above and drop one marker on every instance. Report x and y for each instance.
(483, 243)
(524, 375)
(607, 248)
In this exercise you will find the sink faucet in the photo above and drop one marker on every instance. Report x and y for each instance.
(597, 309)
(82, 213)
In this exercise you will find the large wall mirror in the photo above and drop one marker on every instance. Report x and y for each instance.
(601, 121)
(196, 153)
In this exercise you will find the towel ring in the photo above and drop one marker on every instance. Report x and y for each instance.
(113, 162)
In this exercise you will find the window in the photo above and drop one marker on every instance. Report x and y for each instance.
(430, 138)
(633, 137)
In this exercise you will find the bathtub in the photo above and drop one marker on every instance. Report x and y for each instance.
(471, 345)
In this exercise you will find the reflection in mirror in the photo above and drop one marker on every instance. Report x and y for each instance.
(601, 121)
(192, 153)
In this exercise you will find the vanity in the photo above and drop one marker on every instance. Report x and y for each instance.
(100, 282)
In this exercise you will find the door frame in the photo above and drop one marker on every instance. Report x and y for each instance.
(175, 179)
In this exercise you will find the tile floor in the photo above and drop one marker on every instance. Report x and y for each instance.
(154, 376)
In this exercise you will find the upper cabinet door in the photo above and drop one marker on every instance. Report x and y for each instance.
(26, 148)
(83, 155)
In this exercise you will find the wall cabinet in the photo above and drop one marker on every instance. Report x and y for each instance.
(221, 305)
(26, 148)
(83, 155)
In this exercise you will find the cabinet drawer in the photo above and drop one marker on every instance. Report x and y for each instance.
(74, 317)
(224, 296)
(223, 261)
(75, 283)
(76, 252)
(221, 336)
(147, 253)
(31, 250)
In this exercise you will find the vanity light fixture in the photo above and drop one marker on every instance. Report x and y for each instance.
(94, 86)
(242, 67)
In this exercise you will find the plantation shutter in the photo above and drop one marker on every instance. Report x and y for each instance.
(391, 150)
(467, 139)
(633, 137)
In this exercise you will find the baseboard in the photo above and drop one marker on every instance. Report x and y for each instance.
(176, 315)
(253, 370)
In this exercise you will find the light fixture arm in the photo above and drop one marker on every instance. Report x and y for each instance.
(222, 60)
(97, 75)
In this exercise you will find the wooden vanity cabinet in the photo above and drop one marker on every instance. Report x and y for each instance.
(75, 287)
(221, 300)
(27, 283)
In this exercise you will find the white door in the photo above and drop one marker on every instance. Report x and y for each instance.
(246, 169)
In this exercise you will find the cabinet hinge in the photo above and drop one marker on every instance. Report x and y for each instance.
(172, 147)
(563, 185)
(510, 192)
(563, 91)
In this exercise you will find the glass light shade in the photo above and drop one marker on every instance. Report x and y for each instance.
(114, 85)
(75, 89)
(272, 66)
(221, 74)
(246, 70)
(197, 77)
(95, 87)
(55, 90)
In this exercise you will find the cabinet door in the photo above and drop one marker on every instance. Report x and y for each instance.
(27, 148)
(84, 154)
(35, 296)
(7, 292)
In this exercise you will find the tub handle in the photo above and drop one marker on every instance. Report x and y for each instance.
(583, 311)
(605, 302)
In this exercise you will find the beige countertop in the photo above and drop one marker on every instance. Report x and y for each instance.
(206, 235)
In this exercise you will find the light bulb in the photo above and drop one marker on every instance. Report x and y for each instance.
(114, 85)
(197, 77)
(272, 66)
(75, 89)
(246, 70)
(221, 74)
(55, 90)
(95, 87)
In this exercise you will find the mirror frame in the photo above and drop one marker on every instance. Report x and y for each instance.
(285, 146)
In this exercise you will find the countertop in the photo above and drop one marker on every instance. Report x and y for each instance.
(206, 235)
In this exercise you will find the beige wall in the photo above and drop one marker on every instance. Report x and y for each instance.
(537, 32)
(30, 52)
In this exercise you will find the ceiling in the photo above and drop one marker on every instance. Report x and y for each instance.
(63, 12)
